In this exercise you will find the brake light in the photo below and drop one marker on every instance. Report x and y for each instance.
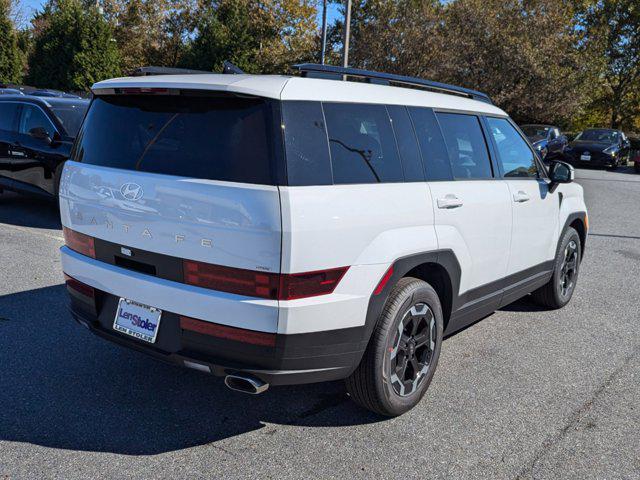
(79, 242)
(79, 287)
(253, 283)
(229, 333)
(310, 284)
(232, 280)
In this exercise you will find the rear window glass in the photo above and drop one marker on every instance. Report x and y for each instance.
(363, 148)
(218, 138)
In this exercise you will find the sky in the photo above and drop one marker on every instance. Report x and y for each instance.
(29, 7)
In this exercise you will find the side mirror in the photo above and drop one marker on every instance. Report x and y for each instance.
(560, 172)
(41, 134)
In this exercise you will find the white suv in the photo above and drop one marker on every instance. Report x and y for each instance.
(291, 229)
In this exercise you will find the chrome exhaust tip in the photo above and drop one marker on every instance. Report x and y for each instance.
(245, 384)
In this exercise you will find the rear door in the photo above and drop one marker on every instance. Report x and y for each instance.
(39, 157)
(8, 122)
(535, 208)
(184, 176)
(471, 207)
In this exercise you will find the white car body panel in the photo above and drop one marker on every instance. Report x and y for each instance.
(535, 223)
(223, 223)
(478, 232)
(212, 306)
(340, 225)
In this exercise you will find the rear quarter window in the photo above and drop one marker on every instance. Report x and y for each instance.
(362, 144)
(211, 137)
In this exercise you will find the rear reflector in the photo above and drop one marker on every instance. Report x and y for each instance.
(383, 281)
(79, 242)
(79, 287)
(252, 283)
(229, 333)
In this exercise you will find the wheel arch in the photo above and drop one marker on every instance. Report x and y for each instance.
(578, 221)
(439, 268)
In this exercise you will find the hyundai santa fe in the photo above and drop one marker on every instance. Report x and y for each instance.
(335, 224)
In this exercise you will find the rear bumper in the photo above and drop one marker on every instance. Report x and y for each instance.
(597, 160)
(294, 359)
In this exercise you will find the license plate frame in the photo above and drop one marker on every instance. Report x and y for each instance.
(135, 319)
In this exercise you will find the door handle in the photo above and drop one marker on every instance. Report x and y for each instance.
(449, 201)
(521, 197)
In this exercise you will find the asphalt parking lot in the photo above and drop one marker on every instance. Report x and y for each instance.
(525, 393)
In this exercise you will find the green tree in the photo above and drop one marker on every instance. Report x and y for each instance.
(10, 54)
(613, 36)
(525, 54)
(259, 37)
(150, 32)
(73, 47)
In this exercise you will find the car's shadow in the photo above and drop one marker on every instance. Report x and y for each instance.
(62, 387)
(26, 211)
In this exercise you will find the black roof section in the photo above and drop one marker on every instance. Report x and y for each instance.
(333, 72)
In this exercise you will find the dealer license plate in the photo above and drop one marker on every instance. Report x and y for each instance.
(138, 320)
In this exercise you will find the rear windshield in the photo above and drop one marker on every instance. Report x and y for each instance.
(217, 138)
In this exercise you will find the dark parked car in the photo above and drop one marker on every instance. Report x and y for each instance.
(36, 135)
(51, 93)
(547, 140)
(10, 91)
(600, 147)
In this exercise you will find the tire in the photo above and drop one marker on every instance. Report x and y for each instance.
(373, 385)
(559, 290)
(636, 167)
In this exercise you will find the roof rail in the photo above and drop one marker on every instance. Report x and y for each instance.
(146, 71)
(227, 67)
(341, 73)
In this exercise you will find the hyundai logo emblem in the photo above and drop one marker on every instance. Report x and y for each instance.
(131, 191)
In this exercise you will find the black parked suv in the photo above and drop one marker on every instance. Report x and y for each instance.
(36, 135)
(600, 147)
(547, 140)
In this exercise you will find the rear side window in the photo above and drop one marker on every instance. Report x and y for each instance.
(407, 144)
(514, 154)
(8, 115)
(305, 139)
(467, 147)
(363, 148)
(434, 150)
(219, 137)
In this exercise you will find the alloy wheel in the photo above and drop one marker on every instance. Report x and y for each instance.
(569, 268)
(412, 351)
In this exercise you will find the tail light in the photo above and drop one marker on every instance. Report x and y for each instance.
(229, 333)
(79, 242)
(252, 283)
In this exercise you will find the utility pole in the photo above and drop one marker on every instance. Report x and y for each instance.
(324, 31)
(347, 33)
